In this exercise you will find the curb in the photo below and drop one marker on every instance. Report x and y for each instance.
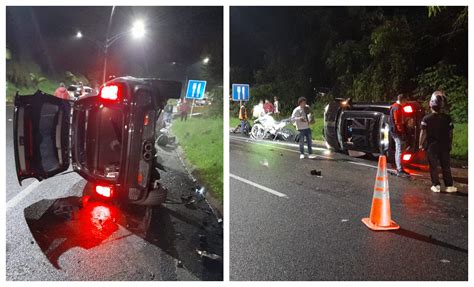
(210, 199)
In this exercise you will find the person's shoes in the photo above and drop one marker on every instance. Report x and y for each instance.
(311, 156)
(451, 189)
(402, 173)
(436, 188)
(301, 156)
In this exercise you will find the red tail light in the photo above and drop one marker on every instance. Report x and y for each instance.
(408, 109)
(106, 191)
(406, 157)
(146, 120)
(110, 92)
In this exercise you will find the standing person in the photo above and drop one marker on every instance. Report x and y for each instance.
(436, 138)
(301, 115)
(397, 131)
(243, 117)
(257, 110)
(61, 92)
(276, 107)
(184, 109)
(268, 107)
(168, 113)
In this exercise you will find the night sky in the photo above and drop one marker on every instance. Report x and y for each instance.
(252, 29)
(174, 34)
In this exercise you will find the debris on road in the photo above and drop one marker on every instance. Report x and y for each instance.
(445, 261)
(200, 193)
(190, 203)
(186, 198)
(179, 264)
(264, 162)
(316, 173)
(344, 220)
(211, 256)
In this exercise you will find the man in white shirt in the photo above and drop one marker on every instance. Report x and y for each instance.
(301, 116)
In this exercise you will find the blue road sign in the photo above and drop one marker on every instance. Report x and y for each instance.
(195, 90)
(240, 92)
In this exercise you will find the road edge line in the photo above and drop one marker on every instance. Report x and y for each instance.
(20, 196)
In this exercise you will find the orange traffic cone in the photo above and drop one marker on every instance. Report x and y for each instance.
(380, 217)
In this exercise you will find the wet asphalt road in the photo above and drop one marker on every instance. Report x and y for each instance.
(53, 235)
(309, 228)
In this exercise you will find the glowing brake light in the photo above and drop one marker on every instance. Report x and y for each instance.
(408, 109)
(406, 157)
(110, 92)
(104, 190)
(146, 120)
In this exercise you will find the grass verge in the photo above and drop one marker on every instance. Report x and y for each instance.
(202, 142)
(460, 141)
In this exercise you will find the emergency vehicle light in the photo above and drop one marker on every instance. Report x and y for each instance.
(110, 92)
(408, 109)
(104, 190)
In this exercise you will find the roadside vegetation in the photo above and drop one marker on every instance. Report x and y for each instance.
(26, 77)
(202, 141)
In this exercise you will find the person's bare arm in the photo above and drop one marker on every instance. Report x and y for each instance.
(422, 138)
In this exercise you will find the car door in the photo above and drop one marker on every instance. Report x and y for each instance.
(360, 131)
(41, 135)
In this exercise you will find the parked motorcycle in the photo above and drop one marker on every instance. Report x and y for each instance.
(265, 127)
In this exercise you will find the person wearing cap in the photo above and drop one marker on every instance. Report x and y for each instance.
(397, 132)
(436, 138)
(302, 117)
(61, 92)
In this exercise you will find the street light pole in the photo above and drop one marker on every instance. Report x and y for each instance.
(107, 44)
(138, 31)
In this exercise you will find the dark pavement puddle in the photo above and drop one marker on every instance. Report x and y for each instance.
(179, 228)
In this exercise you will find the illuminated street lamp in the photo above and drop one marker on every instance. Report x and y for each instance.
(138, 30)
(206, 60)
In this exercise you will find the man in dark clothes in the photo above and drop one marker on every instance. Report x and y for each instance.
(436, 138)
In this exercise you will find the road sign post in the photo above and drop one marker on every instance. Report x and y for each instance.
(195, 91)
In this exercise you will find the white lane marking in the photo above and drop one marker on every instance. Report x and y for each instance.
(264, 188)
(20, 196)
(326, 157)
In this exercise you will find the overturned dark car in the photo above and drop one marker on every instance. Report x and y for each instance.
(109, 139)
(364, 128)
